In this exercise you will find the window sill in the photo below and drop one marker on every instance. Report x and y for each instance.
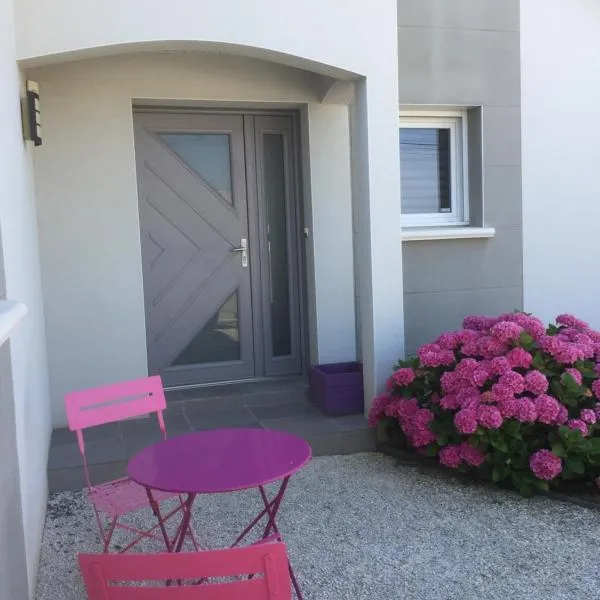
(447, 233)
(11, 313)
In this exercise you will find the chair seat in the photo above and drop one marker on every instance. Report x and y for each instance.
(123, 496)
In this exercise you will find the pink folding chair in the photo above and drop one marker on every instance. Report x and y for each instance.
(261, 573)
(107, 404)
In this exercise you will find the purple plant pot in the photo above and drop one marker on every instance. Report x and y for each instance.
(337, 388)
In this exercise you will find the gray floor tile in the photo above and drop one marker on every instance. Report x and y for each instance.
(351, 422)
(204, 405)
(98, 451)
(63, 435)
(175, 424)
(283, 409)
(238, 417)
(74, 479)
(175, 407)
(303, 425)
(173, 396)
(136, 442)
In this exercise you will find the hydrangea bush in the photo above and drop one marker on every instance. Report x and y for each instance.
(507, 397)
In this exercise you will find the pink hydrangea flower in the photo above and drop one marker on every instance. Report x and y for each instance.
(547, 409)
(519, 358)
(432, 355)
(465, 421)
(596, 388)
(478, 323)
(588, 416)
(489, 416)
(500, 365)
(404, 376)
(545, 465)
(508, 407)
(513, 381)
(377, 410)
(578, 425)
(491, 347)
(402, 409)
(501, 392)
(526, 412)
(532, 325)
(536, 383)
(488, 398)
(563, 351)
(575, 374)
(467, 336)
(563, 416)
(569, 354)
(449, 340)
(450, 456)
(466, 367)
(420, 438)
(506, 331)
(450, 381)
(472, 456)
(480, 376)
(389, 384)
(450, 402)
(571, 321)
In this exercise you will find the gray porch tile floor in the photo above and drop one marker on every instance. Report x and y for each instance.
(108, 447)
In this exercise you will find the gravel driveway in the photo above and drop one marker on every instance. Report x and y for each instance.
(360, 527)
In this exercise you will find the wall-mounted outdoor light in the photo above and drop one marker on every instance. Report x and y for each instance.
(33, 125)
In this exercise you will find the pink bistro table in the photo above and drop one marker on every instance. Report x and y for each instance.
(219, 461)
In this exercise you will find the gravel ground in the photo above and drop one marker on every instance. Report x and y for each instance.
(363, 527)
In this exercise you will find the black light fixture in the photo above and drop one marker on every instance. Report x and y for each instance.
(34, 124)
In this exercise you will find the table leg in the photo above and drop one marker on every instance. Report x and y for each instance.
(157, 514)
(272, 507)
(185, 522)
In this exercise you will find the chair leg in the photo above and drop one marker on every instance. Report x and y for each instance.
(109, 534)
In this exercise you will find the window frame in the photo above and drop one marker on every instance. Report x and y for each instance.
(456, 122)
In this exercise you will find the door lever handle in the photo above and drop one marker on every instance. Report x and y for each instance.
(243, 248)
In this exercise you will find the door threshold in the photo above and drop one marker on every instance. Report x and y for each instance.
(219, 384)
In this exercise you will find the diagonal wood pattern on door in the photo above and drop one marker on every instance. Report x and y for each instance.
(189, 230)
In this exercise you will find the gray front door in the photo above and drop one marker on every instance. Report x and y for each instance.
(219, 245)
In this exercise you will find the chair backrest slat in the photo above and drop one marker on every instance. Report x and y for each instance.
(110, 403)
(248, 590)
(267, 561)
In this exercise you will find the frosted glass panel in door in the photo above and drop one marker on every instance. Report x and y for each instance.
(208, 154)
(218, 340)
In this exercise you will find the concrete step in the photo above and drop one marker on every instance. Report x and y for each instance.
(278, 405)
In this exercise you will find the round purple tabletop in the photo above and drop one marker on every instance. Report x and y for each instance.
(220, 460)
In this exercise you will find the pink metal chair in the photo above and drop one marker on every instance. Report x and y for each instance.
(107, 404)
(266, 563)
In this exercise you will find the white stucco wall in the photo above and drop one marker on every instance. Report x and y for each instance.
(88, 207)
(560, 50)
(21, 264)
(325, 33)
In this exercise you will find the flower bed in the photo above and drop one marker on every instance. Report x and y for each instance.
(507, 398)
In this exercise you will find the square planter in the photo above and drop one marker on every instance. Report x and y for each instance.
(337, 388)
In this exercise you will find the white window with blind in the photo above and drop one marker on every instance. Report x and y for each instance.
(433, 168)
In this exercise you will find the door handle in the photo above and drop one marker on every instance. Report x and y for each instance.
(244, 250)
